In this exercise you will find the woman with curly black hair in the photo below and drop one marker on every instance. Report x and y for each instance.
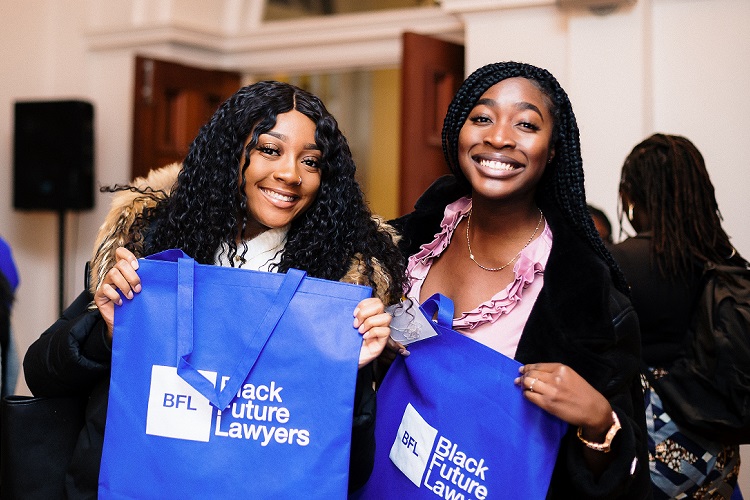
(268, 184)
(508, 237)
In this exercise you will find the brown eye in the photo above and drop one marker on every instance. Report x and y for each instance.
(529, 126)
(311, 162)
(480, 119)
(268, 150)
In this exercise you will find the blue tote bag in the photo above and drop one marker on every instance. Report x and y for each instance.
(451, 424)
(231, 383)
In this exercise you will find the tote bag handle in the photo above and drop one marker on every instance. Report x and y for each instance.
(443, 306)
(218, 397)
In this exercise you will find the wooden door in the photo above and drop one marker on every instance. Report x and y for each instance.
(171, 102)
(431, 72)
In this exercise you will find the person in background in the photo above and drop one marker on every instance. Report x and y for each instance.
(508, 237)
(8, 284)
(602, 224)
(667, 196)
(268, 184)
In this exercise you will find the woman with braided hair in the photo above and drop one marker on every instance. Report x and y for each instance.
(268, 184)
(508, 237)
(667, 195)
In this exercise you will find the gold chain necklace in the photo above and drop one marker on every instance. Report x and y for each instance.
(471, 254)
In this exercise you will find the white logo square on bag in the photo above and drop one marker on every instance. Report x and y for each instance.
(413, 444)
(175, 409)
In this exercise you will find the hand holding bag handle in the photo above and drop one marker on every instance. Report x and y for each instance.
(218, 397)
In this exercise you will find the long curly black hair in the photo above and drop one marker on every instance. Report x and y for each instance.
(562, 184)
(208, 205)
(666, 177)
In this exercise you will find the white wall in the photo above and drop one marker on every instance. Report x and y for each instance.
(43, 55)
(701, 68)
(675, 66)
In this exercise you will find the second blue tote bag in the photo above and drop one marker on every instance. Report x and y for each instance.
(451, 424)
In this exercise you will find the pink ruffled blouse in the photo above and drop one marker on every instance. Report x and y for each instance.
(491, 323)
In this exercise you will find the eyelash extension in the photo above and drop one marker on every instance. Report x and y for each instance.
(266, 149)
(312, 162)
(530, 126)
(479, 118)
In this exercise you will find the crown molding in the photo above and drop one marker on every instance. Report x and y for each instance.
(305, 45)
(472, 6)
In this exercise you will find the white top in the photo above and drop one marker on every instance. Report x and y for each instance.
(258, 253)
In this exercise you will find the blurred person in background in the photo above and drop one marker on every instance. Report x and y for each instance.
(667, 196)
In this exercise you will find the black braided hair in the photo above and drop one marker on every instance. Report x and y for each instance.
(562, 184)
(666, 176)
(207, 207)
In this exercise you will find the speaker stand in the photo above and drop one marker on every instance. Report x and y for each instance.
(61, 259)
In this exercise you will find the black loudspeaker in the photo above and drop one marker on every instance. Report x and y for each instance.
(53, 155)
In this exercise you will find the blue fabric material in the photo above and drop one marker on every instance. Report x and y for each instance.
(185, 419)
(451, 424)
(8, 265)
(684, 464)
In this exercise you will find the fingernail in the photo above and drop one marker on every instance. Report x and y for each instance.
(404, 352)
(134, 263)
(130, 294)
(137, 288)
(356, 311)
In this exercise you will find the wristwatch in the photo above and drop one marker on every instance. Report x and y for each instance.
(605, 446)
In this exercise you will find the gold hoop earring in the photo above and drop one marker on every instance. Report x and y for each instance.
(630, 212)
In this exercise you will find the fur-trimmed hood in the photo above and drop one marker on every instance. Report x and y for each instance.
(126, 205)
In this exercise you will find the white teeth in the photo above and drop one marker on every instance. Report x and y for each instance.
(496, 165)
(278, 196)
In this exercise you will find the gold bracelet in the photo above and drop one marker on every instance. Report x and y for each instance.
(605, 446)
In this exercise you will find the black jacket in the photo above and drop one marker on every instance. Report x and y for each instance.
(581, 320)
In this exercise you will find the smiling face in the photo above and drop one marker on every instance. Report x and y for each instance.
(504, 145)
(283, 177)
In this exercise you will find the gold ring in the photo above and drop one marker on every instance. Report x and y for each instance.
(531, 386)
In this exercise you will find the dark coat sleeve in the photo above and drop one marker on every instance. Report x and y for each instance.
(627, 476)
(362, 455)
(72, 355)
(581, 320)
